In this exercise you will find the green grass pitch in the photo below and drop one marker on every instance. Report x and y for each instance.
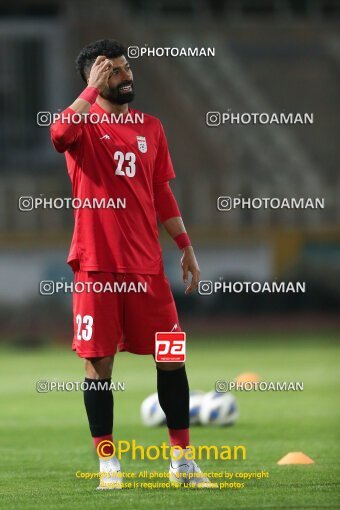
(45, 438)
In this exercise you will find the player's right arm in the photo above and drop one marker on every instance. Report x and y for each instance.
(64, 132)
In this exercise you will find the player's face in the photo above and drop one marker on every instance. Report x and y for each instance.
(120, 88)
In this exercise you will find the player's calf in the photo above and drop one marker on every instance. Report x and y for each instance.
(99, 403)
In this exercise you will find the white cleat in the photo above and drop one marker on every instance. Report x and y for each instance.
(186, 473)
(110, 474)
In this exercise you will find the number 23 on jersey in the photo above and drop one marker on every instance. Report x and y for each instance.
(126, 163)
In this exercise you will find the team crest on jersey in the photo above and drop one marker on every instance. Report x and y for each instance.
(141, 141)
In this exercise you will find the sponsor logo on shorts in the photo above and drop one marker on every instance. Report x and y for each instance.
(170, 346)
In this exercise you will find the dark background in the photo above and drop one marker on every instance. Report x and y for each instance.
(271, 56)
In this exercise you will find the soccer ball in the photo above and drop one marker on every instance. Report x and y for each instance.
(151, 412)
(218, 409)
(196, 397)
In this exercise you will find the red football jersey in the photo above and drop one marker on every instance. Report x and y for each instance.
(115, 161)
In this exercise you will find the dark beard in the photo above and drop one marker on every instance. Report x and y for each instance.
(116, 97)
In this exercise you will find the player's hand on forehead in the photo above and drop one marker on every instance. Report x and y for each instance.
(103, 62)
(100, 72)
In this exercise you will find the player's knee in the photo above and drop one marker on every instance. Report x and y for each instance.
(169, 366)
(99, 368)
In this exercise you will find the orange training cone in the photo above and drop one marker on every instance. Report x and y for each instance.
(247, 377)
(295, 458)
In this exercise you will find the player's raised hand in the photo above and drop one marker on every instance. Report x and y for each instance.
(189, 265)
(100, 73)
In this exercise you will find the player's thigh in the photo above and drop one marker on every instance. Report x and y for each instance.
(147, 312)
(98, 315)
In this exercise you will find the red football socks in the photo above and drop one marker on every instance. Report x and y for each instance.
(179, 437)
(106, 449)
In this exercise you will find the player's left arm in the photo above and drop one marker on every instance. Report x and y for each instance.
(170, 216)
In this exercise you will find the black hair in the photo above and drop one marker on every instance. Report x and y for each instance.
(107, 47)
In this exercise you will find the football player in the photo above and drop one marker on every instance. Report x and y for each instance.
(130, 161)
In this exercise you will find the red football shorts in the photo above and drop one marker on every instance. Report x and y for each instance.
(115, 311)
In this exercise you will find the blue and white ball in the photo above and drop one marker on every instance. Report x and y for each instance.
(218, 409)
(196, 397)
(151, 412)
